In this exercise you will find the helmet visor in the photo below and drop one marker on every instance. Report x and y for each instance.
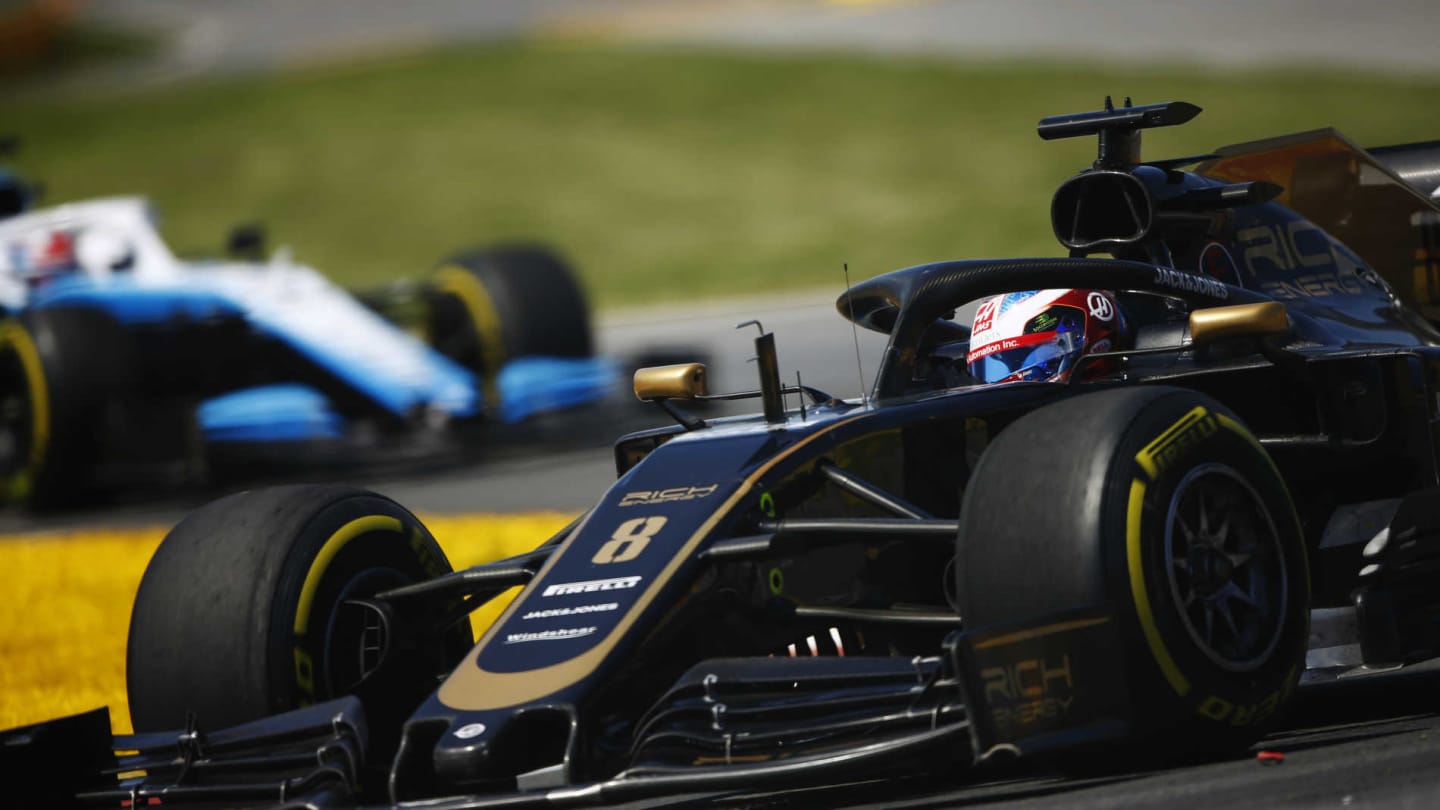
(1051, 343)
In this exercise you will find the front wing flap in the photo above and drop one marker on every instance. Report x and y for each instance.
(310, 757)
(1040, 686)
(742, 725)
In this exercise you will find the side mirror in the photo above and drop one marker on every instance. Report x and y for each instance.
(1213, 324)
(246, 241)
(680, 381)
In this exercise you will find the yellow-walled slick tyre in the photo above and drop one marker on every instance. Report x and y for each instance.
(61, 370)
(1160, 504)
(254, 605)
(489, 306)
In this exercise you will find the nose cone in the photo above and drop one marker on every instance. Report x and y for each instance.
(478, 748)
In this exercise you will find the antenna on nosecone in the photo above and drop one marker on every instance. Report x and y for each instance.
(855, 330)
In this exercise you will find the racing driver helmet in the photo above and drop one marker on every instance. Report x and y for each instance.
(1039, 335)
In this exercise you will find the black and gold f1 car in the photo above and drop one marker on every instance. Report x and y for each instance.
(1153, 553)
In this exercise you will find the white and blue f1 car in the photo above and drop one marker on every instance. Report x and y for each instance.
(114, 350)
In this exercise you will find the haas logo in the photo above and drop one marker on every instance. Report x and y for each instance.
(985, 315)
(1100, 306)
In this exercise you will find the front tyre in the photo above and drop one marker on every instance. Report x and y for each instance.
(252, 605)
(1160, 503)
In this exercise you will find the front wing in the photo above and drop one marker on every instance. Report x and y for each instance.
(727, 725)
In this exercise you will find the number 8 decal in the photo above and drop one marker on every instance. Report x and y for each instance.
(629, 540)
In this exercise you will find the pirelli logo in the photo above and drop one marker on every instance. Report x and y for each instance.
(1191, 429)
(591, 586)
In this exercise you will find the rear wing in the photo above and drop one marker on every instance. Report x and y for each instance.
(1416, 163)
(1358, 198)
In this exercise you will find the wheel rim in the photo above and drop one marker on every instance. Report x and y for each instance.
(350, 641)
(1226, 567)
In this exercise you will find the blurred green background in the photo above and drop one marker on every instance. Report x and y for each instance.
(662, 172)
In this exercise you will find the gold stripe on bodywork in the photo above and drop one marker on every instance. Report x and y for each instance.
(1038, 632)
(470, 688)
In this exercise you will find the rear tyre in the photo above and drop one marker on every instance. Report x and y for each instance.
(247, 609)
(1158, 502)
(60, 371)
(489, 306)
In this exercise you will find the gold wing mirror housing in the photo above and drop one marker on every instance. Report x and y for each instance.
(1264, 319)
(680, 381)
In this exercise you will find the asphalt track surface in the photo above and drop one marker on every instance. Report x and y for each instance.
(221, 36)
(1372, 742)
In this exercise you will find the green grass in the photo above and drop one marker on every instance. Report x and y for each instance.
(661, 173)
